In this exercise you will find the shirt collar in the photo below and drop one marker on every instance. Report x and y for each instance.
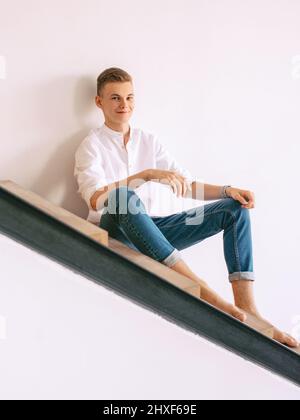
(116, 135)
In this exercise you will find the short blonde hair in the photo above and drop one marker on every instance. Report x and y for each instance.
(113, 74)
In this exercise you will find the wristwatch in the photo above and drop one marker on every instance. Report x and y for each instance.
(224, 193)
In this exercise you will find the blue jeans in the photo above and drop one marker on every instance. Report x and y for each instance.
(162, 238)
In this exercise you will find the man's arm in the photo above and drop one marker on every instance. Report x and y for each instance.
(205, 192)
(134, 181)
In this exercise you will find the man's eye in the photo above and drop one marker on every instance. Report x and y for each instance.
(131, 98)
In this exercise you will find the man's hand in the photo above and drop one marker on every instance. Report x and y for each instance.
(175, 180)
(246, 198)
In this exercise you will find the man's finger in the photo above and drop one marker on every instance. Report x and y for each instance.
(250, 205)
(174, 187)
(176, 184)
(181, 179)
(179, 187)
(242, 199)
(184, 188)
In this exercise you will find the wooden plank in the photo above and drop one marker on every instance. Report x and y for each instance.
(194, 290)
(143, 287)
(75, 222)
(184, 283)
(100, 235)
(297, 350)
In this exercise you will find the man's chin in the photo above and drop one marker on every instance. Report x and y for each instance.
(123, 117)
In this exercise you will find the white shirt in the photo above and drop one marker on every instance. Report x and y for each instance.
(102, 159)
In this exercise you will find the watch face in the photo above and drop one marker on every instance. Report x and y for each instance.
(228, 186)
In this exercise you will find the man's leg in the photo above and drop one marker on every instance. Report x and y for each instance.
(244, 299)
(140, 230)
(208, 294)
(193, 226)
(125, 219)
(229, 216)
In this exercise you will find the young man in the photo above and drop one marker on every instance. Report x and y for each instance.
(115, 168)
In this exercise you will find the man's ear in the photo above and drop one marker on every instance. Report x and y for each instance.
(98, 102)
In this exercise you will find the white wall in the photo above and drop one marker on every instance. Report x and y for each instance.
(218, 80)
(67, 337)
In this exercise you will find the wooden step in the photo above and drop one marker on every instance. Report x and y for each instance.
(265, 328)
(77, 223)
(184, 283)
(297, 350)
(190, 286)
(93, 232)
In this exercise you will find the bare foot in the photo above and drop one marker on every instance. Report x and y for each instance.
(285, 338)
(279, 336)
(210, 296)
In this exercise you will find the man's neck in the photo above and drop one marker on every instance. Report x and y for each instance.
(125, 129)
(121, 128)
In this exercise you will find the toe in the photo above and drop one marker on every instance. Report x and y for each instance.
(291, 341)
(286, 339)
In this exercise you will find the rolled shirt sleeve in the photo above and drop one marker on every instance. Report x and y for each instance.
(89, 171)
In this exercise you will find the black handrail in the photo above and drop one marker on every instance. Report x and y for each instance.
(45, 234)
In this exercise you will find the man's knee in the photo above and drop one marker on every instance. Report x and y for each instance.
(121, 193)
(236, 208)
(123, 199)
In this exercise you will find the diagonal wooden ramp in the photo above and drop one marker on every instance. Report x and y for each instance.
(32, 220)
(184, 283)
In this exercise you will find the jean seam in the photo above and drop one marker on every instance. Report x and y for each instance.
(210, 213)
(136, 232)
(237, 257)
(235, 243)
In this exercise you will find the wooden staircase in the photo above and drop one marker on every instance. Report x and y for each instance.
(188, 285)
(64, 216)
(101, 236)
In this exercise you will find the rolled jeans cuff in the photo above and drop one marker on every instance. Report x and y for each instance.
(173, 258)
(242, 275)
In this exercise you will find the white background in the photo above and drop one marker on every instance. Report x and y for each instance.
(69, 338)
(218, 81)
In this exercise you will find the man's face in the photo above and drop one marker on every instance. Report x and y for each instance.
(117, 101)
